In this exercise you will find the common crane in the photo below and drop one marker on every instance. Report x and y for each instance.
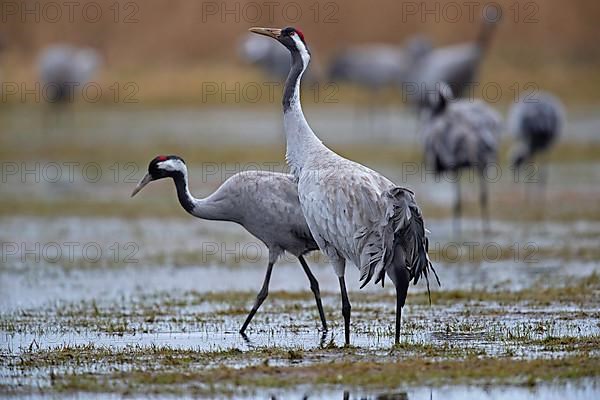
(353, 212)
(264, 203)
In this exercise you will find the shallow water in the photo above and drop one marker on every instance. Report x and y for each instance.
(227, 125)
(160, 286)
(578, 390)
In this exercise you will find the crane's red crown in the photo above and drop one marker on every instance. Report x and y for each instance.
(299, 32)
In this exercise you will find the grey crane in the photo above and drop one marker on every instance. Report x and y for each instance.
(353, 212)
(536, 123)
(376, 66)
(456, 65)
(264, 203)
(64, 68)
(457, 135)
(271, 58)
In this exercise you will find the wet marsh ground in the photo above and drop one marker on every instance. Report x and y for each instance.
(103, 295)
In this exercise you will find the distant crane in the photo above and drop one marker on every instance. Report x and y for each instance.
(536, 123)
(376, 66)
(264, 203)
(64, 68)
(458, 135)
(271, 58)
(353, 212)
(456, 65)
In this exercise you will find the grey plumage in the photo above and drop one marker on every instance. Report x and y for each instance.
(456, 65)
(460, 134)
(265, 203)
(64, 68)
(376, 66)
(272, 59)
(536, 123)
(353, 212)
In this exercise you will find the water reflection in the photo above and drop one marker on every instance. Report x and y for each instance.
(582, 389)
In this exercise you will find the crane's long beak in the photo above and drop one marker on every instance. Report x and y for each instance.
(270, 32)
(145, 180)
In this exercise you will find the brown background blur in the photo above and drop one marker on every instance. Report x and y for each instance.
(168, 43)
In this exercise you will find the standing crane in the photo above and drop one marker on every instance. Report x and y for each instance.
(376, 66)
(264, 203)
(459, 135)
(536, 123)
(271, 58)
(456, 65)
(353, 212)
(63, 68)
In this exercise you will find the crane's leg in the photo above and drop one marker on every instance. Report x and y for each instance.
(543, 182)
(457, 206)
(345, 310)
(314, 286)
(483, 202)
(260, 298)
(402, 281)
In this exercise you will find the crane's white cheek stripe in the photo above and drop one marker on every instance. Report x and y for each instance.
(302, 49)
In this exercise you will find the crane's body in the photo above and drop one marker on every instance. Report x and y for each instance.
(458, 135)
(456, 65)
(353, 212)
(376, 66)
(265, 203)
(536, 123)
(64, 68)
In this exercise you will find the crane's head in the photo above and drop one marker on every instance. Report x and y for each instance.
(438, 99)
(162, 167)
(290, 37)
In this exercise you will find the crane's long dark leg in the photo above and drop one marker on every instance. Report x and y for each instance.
(483, 201)
(260, 298)
(401, 278)
(314, 286)
(345, 310)
(457, 206)
(543, 182)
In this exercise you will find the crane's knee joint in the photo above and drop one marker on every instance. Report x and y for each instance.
(315, 288)
(346, 308)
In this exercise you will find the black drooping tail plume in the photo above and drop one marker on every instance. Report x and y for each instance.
(409, 238)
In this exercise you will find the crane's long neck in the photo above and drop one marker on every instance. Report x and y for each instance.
(301, 140)
(201, 208)
(485, 34)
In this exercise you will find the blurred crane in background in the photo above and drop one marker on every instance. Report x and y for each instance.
(456, 65)
(272, 59)
(461, 134)
(375, 67)
(63, 68)
(536, 123)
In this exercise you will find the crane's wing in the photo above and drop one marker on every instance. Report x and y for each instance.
(363, 216)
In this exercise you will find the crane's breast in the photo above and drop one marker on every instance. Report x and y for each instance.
(337, 207)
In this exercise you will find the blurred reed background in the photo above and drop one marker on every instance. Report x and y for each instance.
(159, 59)
(170, 48)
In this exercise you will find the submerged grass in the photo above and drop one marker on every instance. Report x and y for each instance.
(437, 350)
